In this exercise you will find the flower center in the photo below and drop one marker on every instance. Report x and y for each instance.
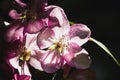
(58, 44)
(28, 16)
(25, 54)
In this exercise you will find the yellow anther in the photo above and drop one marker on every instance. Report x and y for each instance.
(23, 17)
(25, 55)
(53, 47)
(60, 49)
(56, 46)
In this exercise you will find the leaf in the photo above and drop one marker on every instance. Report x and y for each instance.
(105, 49)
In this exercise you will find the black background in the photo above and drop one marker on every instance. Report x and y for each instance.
(103, 18)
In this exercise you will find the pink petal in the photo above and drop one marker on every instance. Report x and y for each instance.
(51, 61)
(74, 48)
(6, 23)
(79, 34)
(30, 41)
(21, 77)
(26, 70)
(32, 46)
(80, 60)
(56, 16)
(21, 3)
(13, 14)
(34, 26)
(15, 63)
(35, 63)
(14, 32)
(44, 38)
(61, 31)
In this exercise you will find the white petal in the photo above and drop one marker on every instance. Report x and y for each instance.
(26, 70)
(35, 63)
(14, 62)
(6, 23)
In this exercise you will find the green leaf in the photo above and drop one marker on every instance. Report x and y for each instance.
(105, 49)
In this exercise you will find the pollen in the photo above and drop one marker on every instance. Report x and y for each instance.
(23, 17)
(25, 55)
(58, 45)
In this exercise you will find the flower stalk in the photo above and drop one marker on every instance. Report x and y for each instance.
(105, 49)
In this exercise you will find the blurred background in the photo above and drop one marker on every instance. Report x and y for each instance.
(103, 18)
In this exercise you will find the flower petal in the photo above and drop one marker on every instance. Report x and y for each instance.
(25, 70)
(79, 34)
(13, 14)
(51, 61)
(6, 23)
(14, 32)
(61, 31)
(79, 60)
(44, 39)
(15, 63)
(56, 16)
(21, 3)
(34, 26)
(82, 60)
(30, 41)
(35, 63)
(74, 48)
(21, 77)
(31, 45)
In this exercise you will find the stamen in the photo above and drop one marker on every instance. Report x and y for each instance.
(25, 55)
(23, 17)
(53, 47)
(28, 16)
(58, 45)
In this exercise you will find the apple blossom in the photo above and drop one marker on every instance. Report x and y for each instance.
(61, 45)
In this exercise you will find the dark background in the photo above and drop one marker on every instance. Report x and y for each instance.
(103, 18)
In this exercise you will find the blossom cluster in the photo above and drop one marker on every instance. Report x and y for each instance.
(40, 36)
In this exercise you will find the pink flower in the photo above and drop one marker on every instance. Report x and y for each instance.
(61, 45)
(53, 16)
(14, 14)
(27, 53)
(37, 6)
(21, 77)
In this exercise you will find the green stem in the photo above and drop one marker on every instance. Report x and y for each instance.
(54, 76)
(105, 49)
